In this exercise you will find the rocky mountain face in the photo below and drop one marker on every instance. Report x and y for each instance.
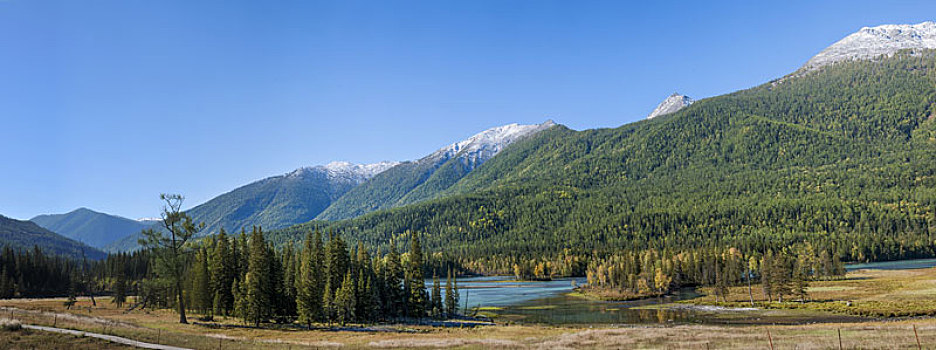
(873, 42)
(671, 104)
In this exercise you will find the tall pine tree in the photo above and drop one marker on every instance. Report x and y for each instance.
(259, 284)
(416, 298)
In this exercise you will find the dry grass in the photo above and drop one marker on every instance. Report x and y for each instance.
(147, 325)
(7, 324)
(877, 293)
(32, 339)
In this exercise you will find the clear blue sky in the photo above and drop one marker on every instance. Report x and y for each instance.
(106, 104)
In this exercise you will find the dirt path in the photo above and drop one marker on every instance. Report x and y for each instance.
(110, 338)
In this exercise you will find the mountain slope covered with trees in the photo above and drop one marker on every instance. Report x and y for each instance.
(839, 156)
(428, 177)
(90, 227)
(25, 235)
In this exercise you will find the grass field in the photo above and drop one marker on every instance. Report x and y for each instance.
(24, 339)
(878, 291)
(875, 293)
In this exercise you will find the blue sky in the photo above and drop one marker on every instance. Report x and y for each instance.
(106, 104)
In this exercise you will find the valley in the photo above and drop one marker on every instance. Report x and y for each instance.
(799, 212)
(549, 319)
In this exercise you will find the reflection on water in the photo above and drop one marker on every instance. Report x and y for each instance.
(564, 309)
(547, 302)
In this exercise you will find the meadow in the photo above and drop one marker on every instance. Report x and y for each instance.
(876, 292)
(872, 293)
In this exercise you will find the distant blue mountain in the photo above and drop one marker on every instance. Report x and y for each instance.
(20, 234)
(91, 227)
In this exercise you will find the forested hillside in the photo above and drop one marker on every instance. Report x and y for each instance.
(90, 227)
(430, 176)
(840, 156)
(25, 235)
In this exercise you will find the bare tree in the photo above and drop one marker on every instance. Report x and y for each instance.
(170, 248)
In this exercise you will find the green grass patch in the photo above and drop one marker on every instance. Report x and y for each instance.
(538, 307)
(489, 308)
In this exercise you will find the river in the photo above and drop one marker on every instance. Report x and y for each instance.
(548, 302)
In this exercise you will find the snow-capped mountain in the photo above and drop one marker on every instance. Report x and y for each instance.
(671, 104)
(428, 177)
(277, 201)
(346, 171)
(284, 200)
(871, 42)
(485, 145)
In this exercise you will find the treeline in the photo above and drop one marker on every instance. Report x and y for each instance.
(784, 272)
(324, 280)
(36, 273)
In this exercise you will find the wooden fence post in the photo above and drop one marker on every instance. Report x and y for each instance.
(917, 335)
(840, 338)
(770, 339)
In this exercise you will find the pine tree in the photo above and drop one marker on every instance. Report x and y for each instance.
(336, 261)
(328, 304)
(120, 290)
(289, 283)
(259, 284)
(781, 274)
(201, 286)
(800, 281)
(239, 291)
(345, 303)
(436, 296)
(309, 299)
(766, 275)
(367, 300)
(365, 296)
(318, 267)
(276, 289)
(223, 273)
(395, 300)
(451, 296)
(416, 300)
(171, 248)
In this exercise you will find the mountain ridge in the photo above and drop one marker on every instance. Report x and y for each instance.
(872, 42)
(91, 227)
(24, 234)
(425, 178)
(852, 141)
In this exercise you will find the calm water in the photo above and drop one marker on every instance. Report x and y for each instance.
(547, 302)
(894, 265)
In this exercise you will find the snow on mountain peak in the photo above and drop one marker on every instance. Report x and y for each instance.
(486, 144)
(365, 170)
(871, 42)
(342, 170)
(671, 104)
